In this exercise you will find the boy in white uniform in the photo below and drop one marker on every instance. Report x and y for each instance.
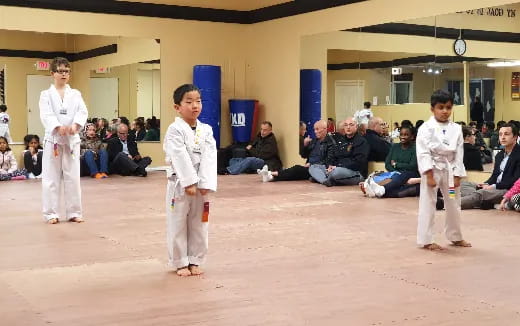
(4, 123)
(440, 154)
(63, 114)
(191, 149)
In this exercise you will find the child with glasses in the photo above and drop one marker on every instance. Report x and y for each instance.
(63, 113)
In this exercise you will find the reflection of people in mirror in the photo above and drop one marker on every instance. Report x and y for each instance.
(456, 98)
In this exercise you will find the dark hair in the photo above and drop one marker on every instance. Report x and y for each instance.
(472, 124)
(441, 96)
(27, 139)
(367, 105)
(125, 121)
(139, 123)
(178, 94)
(500, 124)
(58, 61)
(490, 125)
(267, 123)
(466, 132)
(5, 139)
(418, 123)
(513, 127)
(3, 107)
(406, 123)
(396, 124)
(462, 123)
(303, 124)
(410, 128)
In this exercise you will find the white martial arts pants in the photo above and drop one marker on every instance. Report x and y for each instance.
(65, 165)
(427, 201)
(186, 233)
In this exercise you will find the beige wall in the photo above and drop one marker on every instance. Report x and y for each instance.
(259, 61)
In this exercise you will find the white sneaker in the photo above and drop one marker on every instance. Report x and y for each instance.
(264, 172)
(379, 191)
(368, 187)
(269, 176)
(31, 176)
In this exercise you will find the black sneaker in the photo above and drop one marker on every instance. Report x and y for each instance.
(440, 204)
(486, 204)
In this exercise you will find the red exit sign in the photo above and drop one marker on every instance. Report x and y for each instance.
(43, 65)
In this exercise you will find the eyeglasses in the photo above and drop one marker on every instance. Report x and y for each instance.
(122, 133)
(63, 71)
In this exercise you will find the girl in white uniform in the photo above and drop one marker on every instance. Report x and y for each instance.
(440, 154)
(191, 150)
(63, 114)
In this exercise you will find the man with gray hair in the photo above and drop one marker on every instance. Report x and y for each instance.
(123, 155)
(379, 147)
(346, 162)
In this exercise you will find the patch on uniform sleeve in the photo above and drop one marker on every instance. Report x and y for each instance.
(205, 213)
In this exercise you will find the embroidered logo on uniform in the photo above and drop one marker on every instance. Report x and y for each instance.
(63, 111)
(172, 204)
(205, 213)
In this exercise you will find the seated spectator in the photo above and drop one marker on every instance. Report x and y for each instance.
(506, 171)
(32, 156)
(418, 124)
(101, 128)
(396, 130)
(315, 151)
(346, 161)
(111, 132)
(139, 131)
(152, 132)
(8, 166)
(263, 150)
(487, 129)
(303, 139)
(123, 155)
(494, 141)
(92, 151)
(511, 199)
(331, 125)
(472, 157)
(407, 123)
(385, 132)
(485, 153)
(402, 160)
(379, 148)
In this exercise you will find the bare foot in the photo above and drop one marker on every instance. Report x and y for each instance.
(77, 220)
(183, 272)
(362, 187)
(461, 243)
(53, 221)
(195, 270)
(433, 247)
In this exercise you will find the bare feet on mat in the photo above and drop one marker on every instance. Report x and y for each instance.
(195, 270)
(433, 247)
(183, 272)
(461, 243)
(53, 221)
(76, 220)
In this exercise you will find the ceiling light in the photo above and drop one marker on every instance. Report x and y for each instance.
(504, 64)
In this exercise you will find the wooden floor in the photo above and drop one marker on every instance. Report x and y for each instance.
(291, 253)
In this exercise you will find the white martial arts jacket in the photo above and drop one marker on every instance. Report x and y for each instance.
(56, 113)
(441, 146)
(192, 154)
(4, 126)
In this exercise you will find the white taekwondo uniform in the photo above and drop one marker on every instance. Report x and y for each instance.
(61, 153)
(193, 158)
(440, 149)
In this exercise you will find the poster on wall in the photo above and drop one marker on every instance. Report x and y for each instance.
(515, 86)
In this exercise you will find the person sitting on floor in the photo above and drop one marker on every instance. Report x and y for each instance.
(485, 153)
(8, 166)
(92, 151)
(263, 150)
(315, 151)
(505, 172)
(494, 141)
(32, 156)
(379, 148)
(472, 159)
(346, 162)
(402, 160)
(123, 155)
(511, 199)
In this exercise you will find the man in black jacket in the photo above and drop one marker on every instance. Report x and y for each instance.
(505, 172)
(263, 150)
(379, 147)
(346, 162)
(123, 155)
